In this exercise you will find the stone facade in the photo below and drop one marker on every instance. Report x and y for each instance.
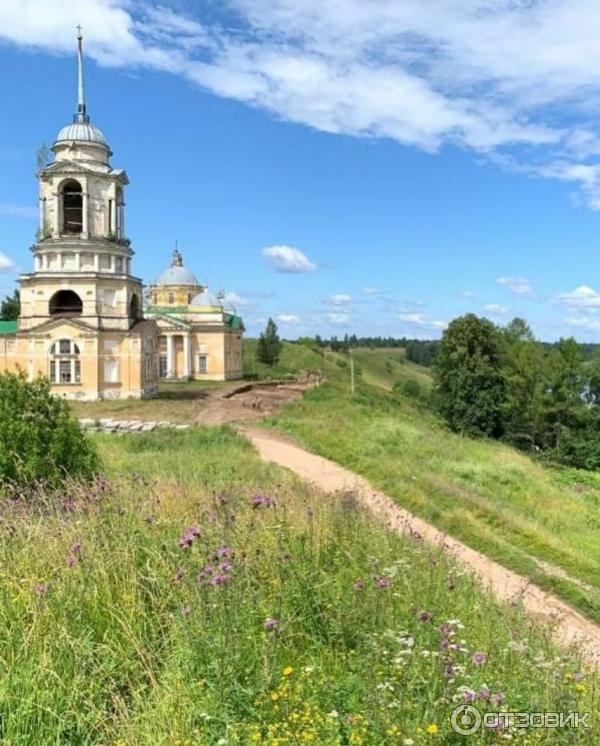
(82, 320)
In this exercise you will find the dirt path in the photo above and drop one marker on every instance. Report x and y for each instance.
(570, 626)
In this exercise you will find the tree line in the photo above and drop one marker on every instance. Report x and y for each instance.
(502, 383)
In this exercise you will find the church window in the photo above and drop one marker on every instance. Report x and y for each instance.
(111, 371)
(72, 203)
(65, 366)
(202, 364)
(162, 366)
(171, 299)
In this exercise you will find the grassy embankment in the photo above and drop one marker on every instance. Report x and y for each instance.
(537, 520)
(317, 627)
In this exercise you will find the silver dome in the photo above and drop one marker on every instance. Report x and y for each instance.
(206, 299)
(177, 275)
(82, 132)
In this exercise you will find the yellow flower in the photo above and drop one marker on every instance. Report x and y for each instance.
(274, 696)
(288, 670)
(432, 729)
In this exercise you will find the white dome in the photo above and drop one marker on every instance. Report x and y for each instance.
(205, 299)
(177, 275)
(82, 132)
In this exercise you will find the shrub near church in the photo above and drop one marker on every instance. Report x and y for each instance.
(39, 439)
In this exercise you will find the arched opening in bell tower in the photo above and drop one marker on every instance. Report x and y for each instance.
(65, 302)
(72, 204)
(134, 307)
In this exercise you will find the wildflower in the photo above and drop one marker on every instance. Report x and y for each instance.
(186, 610)
(222, 498)
(220, 579)
(425, 616)
(468, 695)
(187, 538)
(484, 693)
(288, 671)
(498, 698)
(271, 624)
(381, 581)
(41, 589)
(179, 575)
(432, 729)
(408, 742)
(274, 696)
(71, 561)
(77, 547)
(205, 574)
(479, 658)
(261, 500)
(224, 552)
(358, 585)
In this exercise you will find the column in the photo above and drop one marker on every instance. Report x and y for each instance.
(96, 263)
(57, 214)
(187, 368)
(59, 262)
(42, 217)
(78, 261)
(112, 263)
(45, 261)
(85, 216)
(113, 218)
(170, 356)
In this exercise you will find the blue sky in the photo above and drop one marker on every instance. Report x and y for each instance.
(346, 167)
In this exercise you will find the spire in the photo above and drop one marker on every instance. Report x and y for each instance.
(80, 117)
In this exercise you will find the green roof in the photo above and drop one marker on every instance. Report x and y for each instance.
(8, 327)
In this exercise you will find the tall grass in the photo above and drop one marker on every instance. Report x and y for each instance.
(237, 606)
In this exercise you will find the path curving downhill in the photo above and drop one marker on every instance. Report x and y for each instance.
(570, 626)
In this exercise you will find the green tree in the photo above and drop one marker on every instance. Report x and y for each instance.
(39, 439)
(10, 308)
(469, 387)
(268, 349)
(523, 362)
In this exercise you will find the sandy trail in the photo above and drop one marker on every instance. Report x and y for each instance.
(569, 625)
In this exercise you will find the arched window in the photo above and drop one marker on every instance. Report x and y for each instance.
(134, 307)
(171, 299)
(65, 302)
(72, 202)
(64, 364)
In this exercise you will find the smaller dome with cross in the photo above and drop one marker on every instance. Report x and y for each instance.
(177, 274)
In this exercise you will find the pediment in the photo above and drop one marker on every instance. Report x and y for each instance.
(170, 323)
(66, 322)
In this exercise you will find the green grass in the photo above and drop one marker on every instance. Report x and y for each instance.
(121, 645)
(295, 359)
(492, 497)
(385, 367)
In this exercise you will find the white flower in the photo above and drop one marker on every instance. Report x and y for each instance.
(408, 742)
(333, 714)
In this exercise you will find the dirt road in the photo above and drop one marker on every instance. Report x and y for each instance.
(570, 626)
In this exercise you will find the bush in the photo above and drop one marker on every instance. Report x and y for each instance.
(39, 439)
(409, 387)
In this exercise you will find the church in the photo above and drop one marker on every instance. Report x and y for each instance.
(83, 321)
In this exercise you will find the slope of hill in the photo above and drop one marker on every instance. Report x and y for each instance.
(539, 521)
(203, 597)
(386, 367)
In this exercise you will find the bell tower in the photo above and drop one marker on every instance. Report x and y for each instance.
(82, 257)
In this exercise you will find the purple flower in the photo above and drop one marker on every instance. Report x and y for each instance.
(425, 616)
(187, 538)
(479, 658)
(186, 610)
(447, 629)
(271, 624)
(469, 695)
(41, 589)
(222, 498)
(259, 501)
(449, 670)
(205, 574)
(71, 561)
(498, 698)
(445, 643)
(484, 694)
(224, 551)
(77, 547)
(382, 582)
(220, 579)
(358, 585)
(225, 566)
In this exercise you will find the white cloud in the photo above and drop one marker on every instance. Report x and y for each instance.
(288, 259)
(466, 294)
(516, 285)
(585, 323)
(339, 299)
(372, 291)
(7, 264)
(496, 309)
(236, 300)
(338, 317)
(582, 297)
(288, 318)
(482, 74)
(419, 319)
(17, 211)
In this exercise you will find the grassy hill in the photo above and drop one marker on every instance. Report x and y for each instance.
(200, 596)
(537, 520)
(385, 367)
